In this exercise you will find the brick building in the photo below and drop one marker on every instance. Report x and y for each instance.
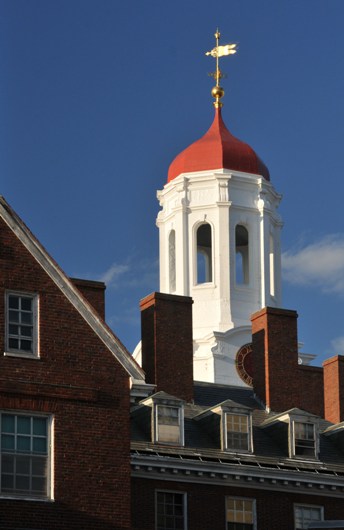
(225, 426)
(64, 394)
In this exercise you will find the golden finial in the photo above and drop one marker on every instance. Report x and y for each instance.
(219, 51)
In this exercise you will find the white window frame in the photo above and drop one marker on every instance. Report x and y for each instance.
(254, 509)
(180, 410)
(292, 442)
(14, 352)
(225, 444)
(307, 507)
(48, 494)
(184, 503)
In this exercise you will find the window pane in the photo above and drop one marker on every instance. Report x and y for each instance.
(7, 482)
(14, 344)
(26, 304)
(39, 426)
(39, 445)
(26, 345)
(23, 443)
(13, 302)
(26, 318)
(23, 465)
(22, 483)
(7, 442)
(14, 316)
(23, 425)
(39, 467)
(39, 484)
(7, 423)
(7, 464)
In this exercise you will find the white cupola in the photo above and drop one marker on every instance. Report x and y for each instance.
(219, 237)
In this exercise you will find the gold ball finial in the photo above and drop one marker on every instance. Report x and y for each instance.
(217, 92)
(217, 34)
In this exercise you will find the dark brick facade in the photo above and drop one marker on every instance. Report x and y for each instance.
(78, 382)
(206, 505)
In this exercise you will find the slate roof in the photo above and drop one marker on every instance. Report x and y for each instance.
(200, 442)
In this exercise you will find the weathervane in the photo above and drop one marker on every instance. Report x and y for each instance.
(219, 51)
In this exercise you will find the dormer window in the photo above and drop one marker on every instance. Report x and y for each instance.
(168, 424)
(166, 413)
(297, 433)
(304, 439)
(237, 430)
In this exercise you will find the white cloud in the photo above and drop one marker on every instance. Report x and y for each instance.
(338, 345)
(320, 264)
(132, 274)
(114, 273)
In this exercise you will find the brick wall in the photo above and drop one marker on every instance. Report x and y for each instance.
(79, 383)
(206, 505)
(167, 349)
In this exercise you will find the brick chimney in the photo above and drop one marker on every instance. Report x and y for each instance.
(167, 348)
(334, 388)
(278, 380)
(275, 357)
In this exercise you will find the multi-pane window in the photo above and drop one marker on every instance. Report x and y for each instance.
(168, 424)
(170, 510)
(24, 454)
(304, 515)
(304, 439)
(237, 432)
(240, 514)
(21, 323)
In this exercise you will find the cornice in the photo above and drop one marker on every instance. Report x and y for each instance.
(252, 475)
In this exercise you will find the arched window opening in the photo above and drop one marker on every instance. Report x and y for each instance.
(172, 260)
(272, 265)
(241, 255)
(204, 254)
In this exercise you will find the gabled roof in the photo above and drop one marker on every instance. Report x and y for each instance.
(66, 286)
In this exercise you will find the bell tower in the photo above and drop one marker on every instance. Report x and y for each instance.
(219, 238)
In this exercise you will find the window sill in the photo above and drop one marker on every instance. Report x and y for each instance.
(22, 355)
(205, 285)
(25, 498)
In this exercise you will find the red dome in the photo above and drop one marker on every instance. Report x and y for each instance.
(218, 149)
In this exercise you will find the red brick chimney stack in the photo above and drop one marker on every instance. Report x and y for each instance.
(334, 389)
(167, 348)
(275, 357)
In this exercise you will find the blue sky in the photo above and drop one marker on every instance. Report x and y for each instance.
(97, 97)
